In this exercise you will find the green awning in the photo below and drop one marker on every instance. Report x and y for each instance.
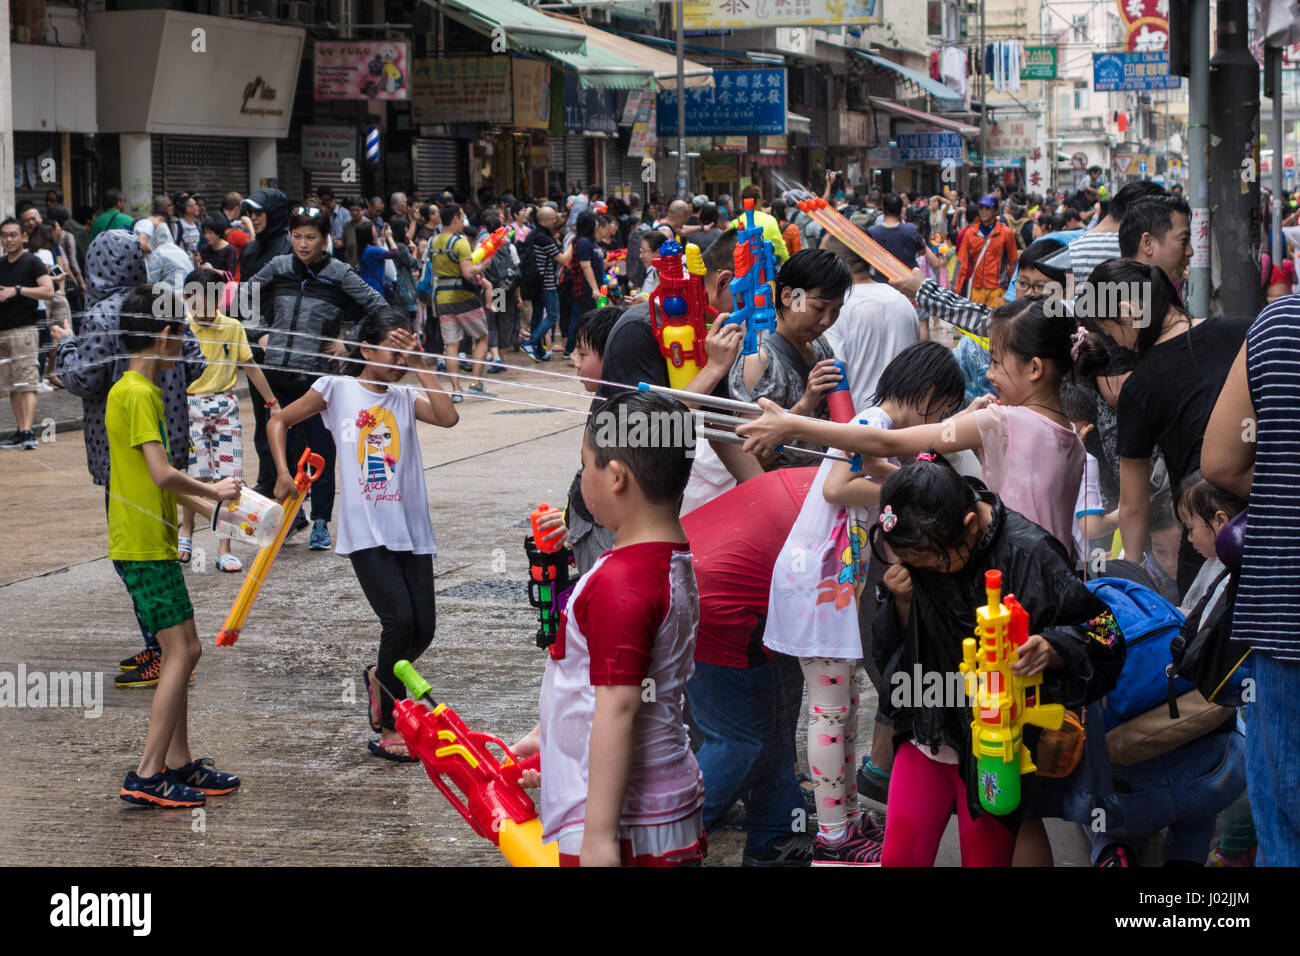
(525, 28)
(944, 98)
(601, 69)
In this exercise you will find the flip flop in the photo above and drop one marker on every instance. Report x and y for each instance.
(230, 564)
(184, 547)
(380, 749)
(375, 721)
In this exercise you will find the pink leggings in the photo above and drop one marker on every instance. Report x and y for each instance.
(922, 793)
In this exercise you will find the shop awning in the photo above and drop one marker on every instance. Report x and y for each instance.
(601, 69)
(879, 102)
(944, 98)
(525, 28)
(628, 57)
(794, 123)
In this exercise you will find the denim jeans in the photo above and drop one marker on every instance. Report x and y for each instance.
(309, 433)
(748, 750)
(580, 306)
(548, 305)
(1183, 790)
(1273, 760)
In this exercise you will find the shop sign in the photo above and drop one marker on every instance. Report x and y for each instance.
(471, 89)
(358, 70)
(740, 103)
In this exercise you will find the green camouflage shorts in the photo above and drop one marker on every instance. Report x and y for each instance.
(158, 589)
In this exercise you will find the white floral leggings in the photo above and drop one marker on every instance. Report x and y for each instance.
(832, 729)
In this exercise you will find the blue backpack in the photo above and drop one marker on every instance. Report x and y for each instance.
(1148, 623)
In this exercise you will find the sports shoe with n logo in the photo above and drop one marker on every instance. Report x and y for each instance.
(160, 790)
(204, 777)
(137, 660)
(146, 675)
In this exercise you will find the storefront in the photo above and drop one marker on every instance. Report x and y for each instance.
(54, 119)
(211, 127)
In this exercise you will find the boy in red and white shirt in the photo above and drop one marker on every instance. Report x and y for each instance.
(620, 785)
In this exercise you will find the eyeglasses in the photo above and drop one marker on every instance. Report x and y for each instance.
(1034, 288)
(311, 212)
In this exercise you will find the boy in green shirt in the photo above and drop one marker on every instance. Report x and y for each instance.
(142, 544)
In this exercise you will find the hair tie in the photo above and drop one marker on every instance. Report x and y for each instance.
(1076, 342)
(888, 519)
(926, 456)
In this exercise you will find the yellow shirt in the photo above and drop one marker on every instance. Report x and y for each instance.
(141, 516)
(771, 232)
(448, 252)
(223, 343)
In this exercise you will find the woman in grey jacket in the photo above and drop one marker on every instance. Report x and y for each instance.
(305, 299)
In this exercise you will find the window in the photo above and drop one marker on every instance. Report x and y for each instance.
(934, 18)
(1081, 97)
(1079, 28)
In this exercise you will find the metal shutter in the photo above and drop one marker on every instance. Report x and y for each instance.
(440, 163)
(631, 176)
(576, 167)
(612, 179)
(289, 176)
(334, 179)
(29, 146)
(210, 165)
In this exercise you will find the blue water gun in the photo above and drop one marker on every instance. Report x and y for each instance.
(752, 288)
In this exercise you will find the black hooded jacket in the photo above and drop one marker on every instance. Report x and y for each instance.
(274, 239)
(1034, 566)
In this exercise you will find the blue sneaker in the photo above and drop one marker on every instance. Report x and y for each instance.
(531, 351)
(160, 790)
(320, 536)
(442, 365)
(202, 776)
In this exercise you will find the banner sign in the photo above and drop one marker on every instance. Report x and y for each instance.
(927, 144)
(354, 70)
(732, 14)
(587, 109)
(471, 89)
(740, 103)
(1132, 71)
(325, 147)
(1040, 63)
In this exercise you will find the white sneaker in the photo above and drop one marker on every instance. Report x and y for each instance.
(42, 387)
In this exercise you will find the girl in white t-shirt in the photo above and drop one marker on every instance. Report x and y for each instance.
(384, 525)
(812, 609)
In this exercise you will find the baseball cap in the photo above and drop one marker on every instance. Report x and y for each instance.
(989, 201)
(253, 204)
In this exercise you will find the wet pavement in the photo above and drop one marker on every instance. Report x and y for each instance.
(285, 707)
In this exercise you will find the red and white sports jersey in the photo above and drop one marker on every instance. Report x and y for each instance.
(630, 621)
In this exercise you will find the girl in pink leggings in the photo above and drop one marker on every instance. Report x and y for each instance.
(940, 533)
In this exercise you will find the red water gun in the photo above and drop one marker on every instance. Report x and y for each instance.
(494, 804)
(492, 244)
(616, 255)
(678, 312)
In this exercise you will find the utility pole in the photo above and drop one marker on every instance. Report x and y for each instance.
(1235, 233)
(682, 159)
(1273, 86)
(984, 108)
(1198, 145)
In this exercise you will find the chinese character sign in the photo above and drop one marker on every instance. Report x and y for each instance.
(928, 144)
(587, 109)
(740, 103)
(729, 14)
(1132, 71)
(325, 147)
(1146, 24)
(474, 89)
(350, 70)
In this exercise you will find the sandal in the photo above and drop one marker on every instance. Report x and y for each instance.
(229, 563)
(184, 548)
(375, 715)
(380, 749)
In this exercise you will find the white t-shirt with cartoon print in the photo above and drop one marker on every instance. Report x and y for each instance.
(378, 469)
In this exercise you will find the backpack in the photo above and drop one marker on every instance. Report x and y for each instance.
(503, 270)
(1135, 713)
(1204, 653)
(530, 277)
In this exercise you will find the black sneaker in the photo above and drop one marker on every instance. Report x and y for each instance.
(29, 441)
(873, 783)
(794, 850)
(160, 790)
(20, 439)
(205, 778)
(1116, 854)
(299, 523)
(146, 675)
(856, 849)
(138, 660)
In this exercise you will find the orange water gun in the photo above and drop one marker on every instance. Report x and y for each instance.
(310, 467)
(490, 797)
(492, 244)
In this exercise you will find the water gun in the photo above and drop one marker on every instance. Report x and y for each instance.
(853, 237)
(490, 798)
(678, 312)
(603, 299)
(492, 244)
(548, 576)
(616, 255)
(1001, 701)
(310, 467)
(752, 288)
(940, 245)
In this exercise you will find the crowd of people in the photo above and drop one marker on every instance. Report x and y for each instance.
(1033, 397)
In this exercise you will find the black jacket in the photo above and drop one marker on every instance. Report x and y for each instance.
(274, 239)
(1034, 566)
(314, 303)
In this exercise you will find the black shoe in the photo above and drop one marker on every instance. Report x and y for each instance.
(138, 660)
(873, 783)
(734, 818)
(794, 850)
(1116, 854)
(299, 523)
(20, 439)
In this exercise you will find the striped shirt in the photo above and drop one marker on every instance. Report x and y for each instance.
(1091, 250)
(952, 308)
(1267, 612)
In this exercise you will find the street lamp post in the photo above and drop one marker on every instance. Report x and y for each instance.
(682, 159)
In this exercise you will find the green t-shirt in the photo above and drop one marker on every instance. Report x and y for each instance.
(141, 516)
(110, 219)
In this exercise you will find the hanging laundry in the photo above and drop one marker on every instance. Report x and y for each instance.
(934, 66)
(1013, 66)
(952, 69)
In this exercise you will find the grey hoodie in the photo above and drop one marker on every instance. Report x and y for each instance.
(90, 362)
